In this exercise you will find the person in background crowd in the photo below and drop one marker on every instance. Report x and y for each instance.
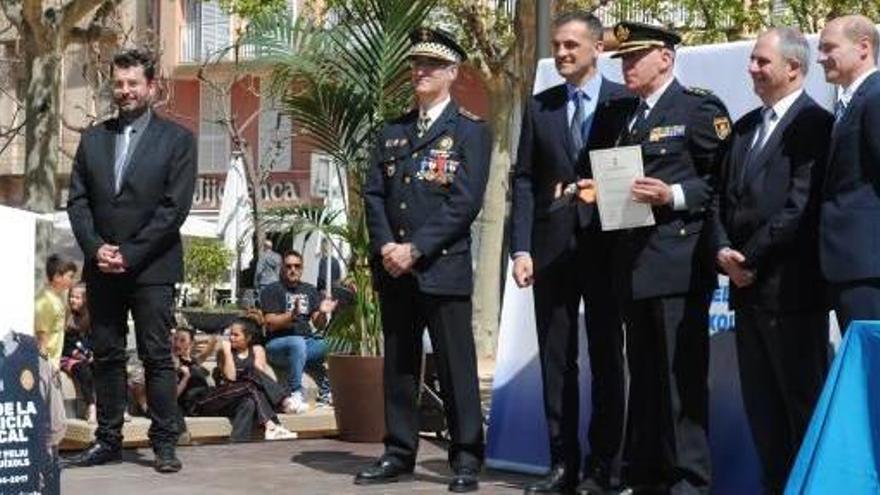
(293, 309)
(192, 378)
(131, 189)
(423, 191)
(563, 250)
(849, 221)
(666, 272)
(335, 270)
(76, 356)
(245, 393)
(768, 246)
(50, 308)
(268, 267)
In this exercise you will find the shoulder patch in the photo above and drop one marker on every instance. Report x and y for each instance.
(697, 91)
(468, 114)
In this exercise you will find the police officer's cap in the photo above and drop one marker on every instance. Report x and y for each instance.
(636, 36)
(434, 43)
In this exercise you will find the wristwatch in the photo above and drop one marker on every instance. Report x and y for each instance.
(414, 252)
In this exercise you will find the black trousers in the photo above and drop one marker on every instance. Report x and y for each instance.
(82, 376)
(110, 300)
(858, 300)
(405, 313)
(252, 397)
(667, 342)
(582, 272)
(783, 360)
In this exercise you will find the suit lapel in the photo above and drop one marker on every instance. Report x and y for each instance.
(559, 118)
(869, 82)
(107, 146)
(655, 116)
(760, 161)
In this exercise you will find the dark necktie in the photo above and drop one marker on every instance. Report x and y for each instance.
(576, 127)
(423, 124)
(767, 116)
(839, 110)
(639, 121)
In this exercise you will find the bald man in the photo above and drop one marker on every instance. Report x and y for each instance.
(849, 228)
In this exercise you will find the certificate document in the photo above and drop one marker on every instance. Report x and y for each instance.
(614, 170)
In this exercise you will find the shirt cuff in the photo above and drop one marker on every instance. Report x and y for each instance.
(678, 201)
(520, 253)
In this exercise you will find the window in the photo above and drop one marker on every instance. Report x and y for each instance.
(275, 136)
(206, 31)
(213, 138)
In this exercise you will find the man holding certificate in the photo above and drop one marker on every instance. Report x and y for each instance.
(664, 273)
(557, 244)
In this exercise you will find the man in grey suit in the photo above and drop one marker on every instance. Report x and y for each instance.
(849, 227)
(130, 191)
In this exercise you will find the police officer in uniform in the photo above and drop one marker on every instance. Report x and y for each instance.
(665, 274)
(423, 191)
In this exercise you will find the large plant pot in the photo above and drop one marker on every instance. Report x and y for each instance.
(358, 397)
(210, 320)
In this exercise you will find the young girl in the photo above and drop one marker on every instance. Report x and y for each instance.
(245, 392)
(76, 354)
(192, 378)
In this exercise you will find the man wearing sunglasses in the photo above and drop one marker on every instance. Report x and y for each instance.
(423, 191)
(294, 310)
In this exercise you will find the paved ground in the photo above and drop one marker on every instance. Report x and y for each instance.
(297, 467)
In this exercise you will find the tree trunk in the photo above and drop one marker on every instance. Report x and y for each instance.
(490, 277)
(507, 84)
(42, 147)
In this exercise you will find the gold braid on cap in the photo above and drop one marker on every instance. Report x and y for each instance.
(433, 49)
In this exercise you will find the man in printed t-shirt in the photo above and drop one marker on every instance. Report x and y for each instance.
(293, 310)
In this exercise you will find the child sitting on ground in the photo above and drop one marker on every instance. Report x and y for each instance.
(76, 355)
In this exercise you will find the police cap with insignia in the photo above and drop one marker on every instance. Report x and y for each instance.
(636, 36)
(437, 44)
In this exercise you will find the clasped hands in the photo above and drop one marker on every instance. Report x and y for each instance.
(732, 262)
(397, 258)
(110, 259)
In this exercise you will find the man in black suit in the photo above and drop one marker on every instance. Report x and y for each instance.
(849, 226)
(424, 189)
(665, 273)
(557, 243)
(768, 205)
(130, 190)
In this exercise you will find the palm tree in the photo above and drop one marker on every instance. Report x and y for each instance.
(340, 81)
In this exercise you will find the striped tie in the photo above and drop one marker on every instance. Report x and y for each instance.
(423, 124)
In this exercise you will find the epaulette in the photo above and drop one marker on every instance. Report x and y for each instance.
(468, 114)
(693, 90)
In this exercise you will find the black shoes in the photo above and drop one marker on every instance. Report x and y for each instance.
(464, 480)
(383, 471)
(166, 461)
(560, 480)
(95, 454)
(597, 481)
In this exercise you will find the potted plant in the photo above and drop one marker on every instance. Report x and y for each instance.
(205, 265)
(339, 83)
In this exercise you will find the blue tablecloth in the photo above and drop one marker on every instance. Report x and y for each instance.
(841, 449)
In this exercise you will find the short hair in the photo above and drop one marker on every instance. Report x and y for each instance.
(793, 46)
(292, 252)
(594, 25)
(134, 57)
(856, 27)
(57, 265)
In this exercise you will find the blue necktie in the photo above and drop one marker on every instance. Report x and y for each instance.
(839, 110)
(576, 127)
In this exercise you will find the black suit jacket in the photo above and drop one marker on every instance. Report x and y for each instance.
(850, 215)
(145, 216)
(546, 158)
(770, 212)
(428, 191)
(683, 141)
